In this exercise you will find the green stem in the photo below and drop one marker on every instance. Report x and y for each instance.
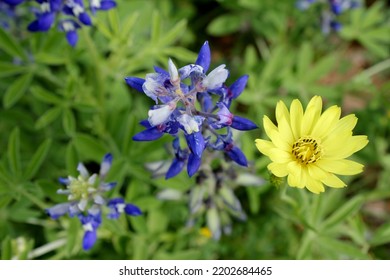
(375, 69)
(46, 248)
(32, 198)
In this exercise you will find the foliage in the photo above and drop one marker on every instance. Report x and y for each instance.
(62, 105)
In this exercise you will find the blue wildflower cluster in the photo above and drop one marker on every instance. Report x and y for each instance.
(7, 12)
(67, 15)
(188, 109)
(86, 201)
(330, 13)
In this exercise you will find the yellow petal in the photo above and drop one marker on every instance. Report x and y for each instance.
(264, 146)
(312, 113)
(285, 132)
(280, 141)
(315, 186)
(281, 112)
(341, 167)
(345, 148)
(296, 116)
(345, 124)
(333, 181)
(278, 169)
(279, 156)
(327, 122)
(295, 177)
(316, 172)
(269, 126)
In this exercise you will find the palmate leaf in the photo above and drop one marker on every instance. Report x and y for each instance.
(37, 159)
(381, 235)
(13, 152)
(16, 90)
(11, 46)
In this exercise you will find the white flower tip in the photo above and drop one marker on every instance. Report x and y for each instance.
(173, 73)
(160, 115)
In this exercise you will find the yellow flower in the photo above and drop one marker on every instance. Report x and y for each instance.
(310, 147)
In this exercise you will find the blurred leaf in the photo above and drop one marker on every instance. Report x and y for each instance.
(6, 249)
(48, 117)
(340, 249)
(73, 241)
(71, 157)
(89, 146)
(68, 122)
(9, 69)
(10, 46)
(157, 222)
(224, 24)
(37, 159)
(14, 151)
(381, 235)
(45, 96)
(342, 213)
(16, 90)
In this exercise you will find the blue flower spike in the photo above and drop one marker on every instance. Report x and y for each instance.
(67, 14)
(192, 105)
(87, 200)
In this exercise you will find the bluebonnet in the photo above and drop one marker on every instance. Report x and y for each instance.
(7, 12)
(194, 111)
(329, 14)
(86, 200)
(69, 15)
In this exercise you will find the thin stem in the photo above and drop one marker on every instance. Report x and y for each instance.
(46, 248)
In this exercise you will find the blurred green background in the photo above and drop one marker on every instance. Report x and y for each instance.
(61, 105)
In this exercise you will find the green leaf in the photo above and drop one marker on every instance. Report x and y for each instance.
(48, 117)
(173, 34)
(16, 90)
(68, 122)
(14, 151)
(156, 28)
(340, 249)
(225, 24)
(89, 147)
(321, 68)
(113, 19)
(344, 212)
(6, 248)
(50, 59)
(10, 46)
(45, 96)
(157, 222)
(71, 158)
(305, 57)
(381, 235)
(9, 69)
(37, 159)
(73, 241)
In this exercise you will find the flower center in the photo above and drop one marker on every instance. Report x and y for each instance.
(307, 150)
(80, 188)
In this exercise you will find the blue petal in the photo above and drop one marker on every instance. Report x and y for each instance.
(160, 70)
(43, 23)
(238, 86)
(196, 143)
(105, 165)
(135, 83)
(72, 37)
(150, 134)
(89, 239)
(64, 181)
(57, 210)
(336, 26)
(106, 5)
(241, 123)
(175, 168)
(193, 164)
(206, 101)
(13, 2)
(131, 209)
(84, 18)
(204, 57)
(55, 5)
(236, 155)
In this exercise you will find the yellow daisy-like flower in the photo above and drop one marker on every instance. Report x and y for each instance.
(310, 147)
